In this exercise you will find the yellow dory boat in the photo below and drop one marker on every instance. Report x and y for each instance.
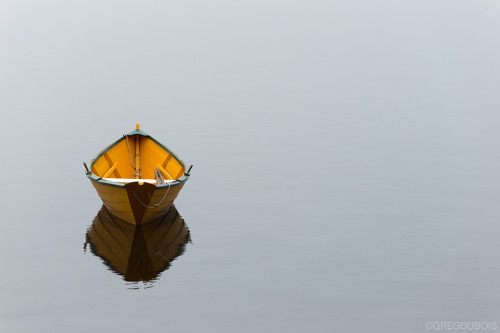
(137, 177)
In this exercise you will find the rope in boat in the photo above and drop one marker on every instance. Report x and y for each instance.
(137, 171)
(128, 149)
(149, 195)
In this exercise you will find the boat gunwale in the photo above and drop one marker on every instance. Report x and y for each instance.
(99, 180)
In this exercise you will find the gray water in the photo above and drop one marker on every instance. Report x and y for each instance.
(346, 165)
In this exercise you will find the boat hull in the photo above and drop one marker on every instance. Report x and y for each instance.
(137, 203)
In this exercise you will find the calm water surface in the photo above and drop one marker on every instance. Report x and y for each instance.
(346, 164)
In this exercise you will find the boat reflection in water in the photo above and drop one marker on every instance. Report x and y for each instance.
(138, 253)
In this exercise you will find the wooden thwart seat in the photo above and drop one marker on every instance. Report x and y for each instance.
(165, 172)
(113, 167)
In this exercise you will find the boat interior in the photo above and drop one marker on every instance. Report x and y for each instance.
(137, 158)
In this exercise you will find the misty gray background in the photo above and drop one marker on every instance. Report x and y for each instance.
(346, 165)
